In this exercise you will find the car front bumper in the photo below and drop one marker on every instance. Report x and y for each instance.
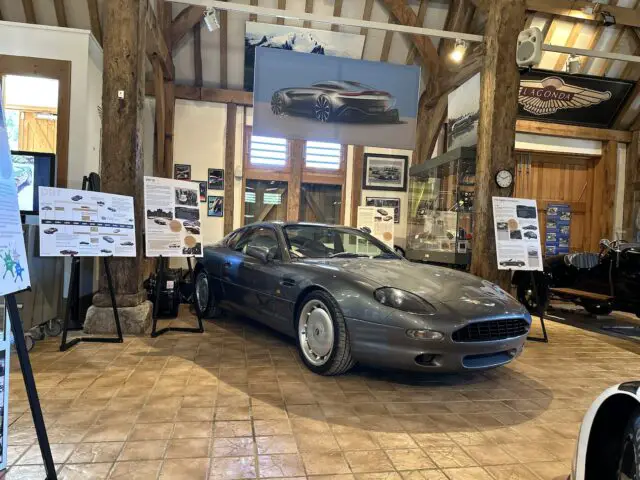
(389, 346)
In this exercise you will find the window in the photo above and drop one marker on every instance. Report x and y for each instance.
(268, 151)
(323, 155)
(265, 200)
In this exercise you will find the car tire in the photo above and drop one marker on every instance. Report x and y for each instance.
(277, 104)
(323, 109)
(597, 308)
(629, 461)
(205, 301)
(526, 296)
(328, 350)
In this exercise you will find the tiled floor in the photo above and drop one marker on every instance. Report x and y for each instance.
(235, 403)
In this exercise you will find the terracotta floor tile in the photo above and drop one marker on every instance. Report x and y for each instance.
(288, 465)
(550, 470)
(423, 475)
(316, 442)
(233, 446)
(138, 470)
(528, 452)
(272, 427)
(410, 459)
(450, 457)
(108, 433)
(185, 469)
(356, 441)
(228, 468)
(151, 431)
(324, 463)
(188, 448)
(143, 450)
(276, 444)
(192, 430)
(60, 452)
(85, 471)
(469, 473)
(489, 455)
(25, 472)
(232, 429)
(103, 452)
(511, 472)
(368, 461)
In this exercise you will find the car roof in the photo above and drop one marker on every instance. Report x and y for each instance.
(289, 224)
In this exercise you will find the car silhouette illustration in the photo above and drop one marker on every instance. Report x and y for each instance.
(383, 212)
(68, 252)
(101, 203)
(127, 244)
(111, 209)
(108, 239)
(530, 227)
(84, 243)
(104, 250)
(193, 230)
(76, 198)
(502, 226)
(159, 221)
(530, 235)
(333, 101)
(516, 235)
(51, 230)
(46, 207)
(512, 263)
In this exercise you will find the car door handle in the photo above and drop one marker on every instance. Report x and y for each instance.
(288, 282)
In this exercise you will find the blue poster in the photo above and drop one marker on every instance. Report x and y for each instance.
(558, 229)
(14, 271)
(335, 99)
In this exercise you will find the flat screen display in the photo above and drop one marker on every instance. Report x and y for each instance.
(32, 170)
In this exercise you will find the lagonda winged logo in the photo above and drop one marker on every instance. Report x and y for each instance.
(547, 96)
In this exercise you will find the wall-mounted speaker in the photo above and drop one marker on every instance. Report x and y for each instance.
(529, 50)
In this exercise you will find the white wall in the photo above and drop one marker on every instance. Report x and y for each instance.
(69, 44)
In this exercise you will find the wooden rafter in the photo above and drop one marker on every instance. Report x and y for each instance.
(366, 15)
(224, 49)
(253, 17)
(422, 11)
(337, 12)
(184, 23)
(61, 14)
(575, 9)
(282, 5)
(627, 106)
(608, 63)
(29, 11)
(197, 54)
(629, 31)
(386, 44)
(308, 8)
(571, 42)
(155, 44)
(586, 66)
(94, 16)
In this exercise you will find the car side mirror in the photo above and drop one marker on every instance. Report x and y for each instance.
(261, 253)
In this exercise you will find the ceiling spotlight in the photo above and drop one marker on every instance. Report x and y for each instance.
(458, 52)
(607, 18)
(572, 64)
(211, 19)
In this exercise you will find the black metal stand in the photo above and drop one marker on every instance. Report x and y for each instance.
(30, 385)
(72, 303)
(545, 338)
(156, 303)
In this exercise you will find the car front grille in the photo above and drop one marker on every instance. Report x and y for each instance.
(492, 330)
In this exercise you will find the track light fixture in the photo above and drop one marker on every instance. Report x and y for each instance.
(459, 51)
(211, 19)
(572, 64)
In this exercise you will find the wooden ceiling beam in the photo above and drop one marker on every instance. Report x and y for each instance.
(571, 42)
(29, 11)
(337, 12)
(386, 44)
(207, 94)
(184, 23)
(366, 15)
(61, 14)
(94, 16)
(197, 54)
(155, 44)
(608, 63)
(308, 8)
(224, 49)
(422, 12)
(574, 9)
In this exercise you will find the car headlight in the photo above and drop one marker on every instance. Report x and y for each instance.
(402, 300)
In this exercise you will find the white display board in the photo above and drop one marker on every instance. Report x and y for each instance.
(379, 221)
(82, 223)
(517, 234)
(172, 218)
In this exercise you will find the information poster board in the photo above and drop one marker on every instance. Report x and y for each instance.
(517, 234)
(82, 223)
(558, 230)
(172, 218)
(379, 221)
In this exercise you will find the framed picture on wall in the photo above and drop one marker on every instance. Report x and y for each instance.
(385, 203)
(215, 206)
(182, 172)
(202, 188)
(385, 172)
(216, 179)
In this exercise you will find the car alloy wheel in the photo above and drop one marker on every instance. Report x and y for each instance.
(323, 109)
(202, 291)
(315, 332)
(277, 104)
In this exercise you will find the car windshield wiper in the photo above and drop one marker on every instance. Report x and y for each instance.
(348, 255)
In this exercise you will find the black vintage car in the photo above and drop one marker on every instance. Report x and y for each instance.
(600, 282)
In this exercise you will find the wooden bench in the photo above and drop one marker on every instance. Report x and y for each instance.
(582, 294)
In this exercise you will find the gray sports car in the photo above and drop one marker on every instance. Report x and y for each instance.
(332, 101)
(346, 297)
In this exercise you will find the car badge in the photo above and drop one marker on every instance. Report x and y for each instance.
(547, 96)
(475, 301)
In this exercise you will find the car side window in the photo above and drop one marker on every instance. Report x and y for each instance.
(233, 238)
(260, 237)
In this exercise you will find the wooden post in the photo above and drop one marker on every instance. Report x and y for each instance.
(295, 180)
(122, 168)
(604, 195)
(356, 183)
(164, 20)
(229, 166)
(631, 188)
(496, 132)
(158, 84)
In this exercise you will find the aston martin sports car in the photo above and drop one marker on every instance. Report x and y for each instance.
(609, 439)
(337, 101)
(346, 297)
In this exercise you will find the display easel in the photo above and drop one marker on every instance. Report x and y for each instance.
(156, 303)
(30, 385)
(545, 338)
(72, 306)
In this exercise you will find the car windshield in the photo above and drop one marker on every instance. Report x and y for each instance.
(320, 241)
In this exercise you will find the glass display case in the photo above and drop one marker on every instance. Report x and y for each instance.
(441, 196)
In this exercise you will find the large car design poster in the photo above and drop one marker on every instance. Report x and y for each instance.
(172, 218)
(517, 231)
(81, 223)
(335, 99)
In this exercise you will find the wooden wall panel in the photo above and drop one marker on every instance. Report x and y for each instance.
(604, 193)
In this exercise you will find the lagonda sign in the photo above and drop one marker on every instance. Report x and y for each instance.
(572, 99)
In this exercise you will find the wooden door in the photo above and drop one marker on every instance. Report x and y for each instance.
(554, 178)
(37, 132)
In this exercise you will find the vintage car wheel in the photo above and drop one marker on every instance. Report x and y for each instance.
(277, 104)
(323, 110)
(323, 340)
(526, 295)
(205, 300)
(629, 462)
(597, 308)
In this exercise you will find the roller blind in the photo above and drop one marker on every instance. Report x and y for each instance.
(268, 151)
